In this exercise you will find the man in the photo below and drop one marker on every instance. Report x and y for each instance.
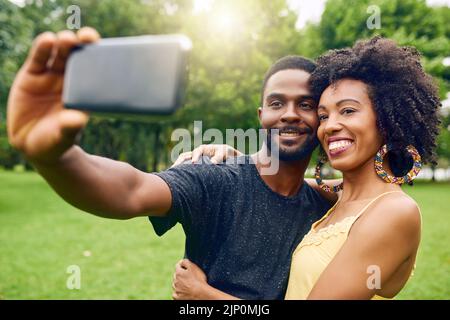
(241, 226)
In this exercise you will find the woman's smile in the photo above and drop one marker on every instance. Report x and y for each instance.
(337, 146)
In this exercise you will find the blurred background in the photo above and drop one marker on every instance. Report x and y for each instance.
(234, 42)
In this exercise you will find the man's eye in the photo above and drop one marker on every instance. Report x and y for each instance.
(305, 105)
(276, 104)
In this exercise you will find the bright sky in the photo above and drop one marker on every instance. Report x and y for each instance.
(307, 10)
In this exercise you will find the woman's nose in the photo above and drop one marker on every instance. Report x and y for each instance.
(332, 125)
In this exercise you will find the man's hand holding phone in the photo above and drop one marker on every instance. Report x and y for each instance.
(67, 74)
(38, 124)
(45, 131)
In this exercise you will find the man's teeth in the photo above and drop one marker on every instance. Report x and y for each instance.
(339, 144)
(289, 134)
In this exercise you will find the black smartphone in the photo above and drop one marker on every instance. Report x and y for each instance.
(130, 75)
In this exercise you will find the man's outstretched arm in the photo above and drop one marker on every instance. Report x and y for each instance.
(105, 187)
(44, 131)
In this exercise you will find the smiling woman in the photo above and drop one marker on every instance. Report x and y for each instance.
(374, 96)
(388, 83)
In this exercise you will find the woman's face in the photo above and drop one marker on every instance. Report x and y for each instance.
(347, 125)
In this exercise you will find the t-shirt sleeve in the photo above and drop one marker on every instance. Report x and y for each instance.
(191, 186)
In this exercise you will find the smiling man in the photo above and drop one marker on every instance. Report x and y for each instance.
(241, 226)
(288, 106)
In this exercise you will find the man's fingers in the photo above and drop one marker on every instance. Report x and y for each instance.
(88, 35)
(65, 42)
(179, 270)
(72, 121)
(197, 153)
(217, 158)
(185, 263)
(174, 288)
(47, 44)
(182, 266)
(182, 158)
(41, 52)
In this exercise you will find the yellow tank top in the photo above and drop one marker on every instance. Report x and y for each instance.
(316, 251)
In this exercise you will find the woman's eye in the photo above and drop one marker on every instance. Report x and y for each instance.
(322, 117)
(348, 111)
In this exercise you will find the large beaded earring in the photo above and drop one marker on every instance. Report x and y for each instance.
(318, 175)
(407, 178)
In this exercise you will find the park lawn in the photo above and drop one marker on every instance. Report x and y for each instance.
(431, 279)
(41, 236)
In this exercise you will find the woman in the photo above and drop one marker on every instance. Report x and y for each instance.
(375, 99)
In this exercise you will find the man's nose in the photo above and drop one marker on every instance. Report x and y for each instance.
(291, 114)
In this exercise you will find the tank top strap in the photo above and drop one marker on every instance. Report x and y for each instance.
(372, 201)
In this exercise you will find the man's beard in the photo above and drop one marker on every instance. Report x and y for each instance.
(301, 152)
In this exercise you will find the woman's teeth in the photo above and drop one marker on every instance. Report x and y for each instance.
(341, 144)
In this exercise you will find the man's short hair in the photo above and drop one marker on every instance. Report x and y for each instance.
(287, 63)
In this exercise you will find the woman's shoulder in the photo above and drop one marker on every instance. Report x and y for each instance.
(395, 212)
(397, 206)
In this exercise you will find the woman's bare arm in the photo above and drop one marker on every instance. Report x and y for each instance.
(386, 236)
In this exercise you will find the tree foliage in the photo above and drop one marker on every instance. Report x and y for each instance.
(234, 42)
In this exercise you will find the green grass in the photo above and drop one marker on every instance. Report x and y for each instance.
(41, 235)
(431, 278)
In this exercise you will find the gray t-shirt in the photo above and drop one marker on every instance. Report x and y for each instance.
(240, 232)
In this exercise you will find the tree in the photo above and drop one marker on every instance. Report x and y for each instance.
(409, 22)
(14, 35)
(227, 64)
(234, 42)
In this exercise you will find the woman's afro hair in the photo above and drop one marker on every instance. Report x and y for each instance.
(404, 97)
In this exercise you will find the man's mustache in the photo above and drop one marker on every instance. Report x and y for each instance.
(292, 129)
